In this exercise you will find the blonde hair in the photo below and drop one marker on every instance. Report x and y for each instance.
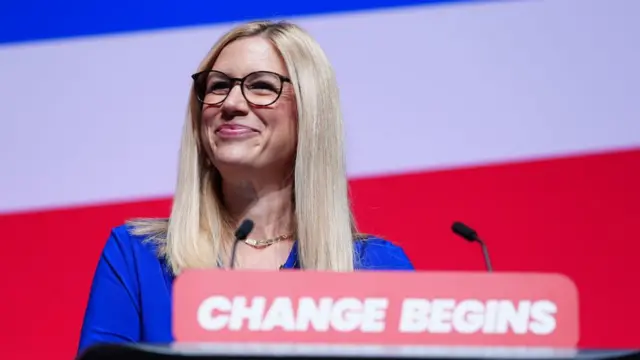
(325, 228)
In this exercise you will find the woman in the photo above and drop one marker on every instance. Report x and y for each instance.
(262, 141)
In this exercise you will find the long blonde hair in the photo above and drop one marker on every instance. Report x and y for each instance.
(325, 228)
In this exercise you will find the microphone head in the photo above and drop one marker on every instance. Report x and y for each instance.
(464, 231)
(244, 229)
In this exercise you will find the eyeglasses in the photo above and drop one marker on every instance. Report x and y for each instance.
(260, 88)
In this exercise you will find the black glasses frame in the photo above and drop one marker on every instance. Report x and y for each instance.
(200, 92)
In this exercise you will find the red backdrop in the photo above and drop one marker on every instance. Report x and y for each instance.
(576, 216)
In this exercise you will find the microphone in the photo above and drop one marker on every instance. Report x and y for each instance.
(471, 235)
(241, 234)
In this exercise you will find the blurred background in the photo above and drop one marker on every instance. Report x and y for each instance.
(520, 118)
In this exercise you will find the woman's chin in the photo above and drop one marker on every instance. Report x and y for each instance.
(239, 154)
(231, 161)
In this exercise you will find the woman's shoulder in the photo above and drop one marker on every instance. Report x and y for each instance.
(129, 265)
(134, 242)
(376, 253)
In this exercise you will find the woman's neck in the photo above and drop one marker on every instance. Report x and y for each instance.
(269, 206)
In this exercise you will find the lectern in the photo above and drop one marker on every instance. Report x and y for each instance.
(340, 352)
(220, 314)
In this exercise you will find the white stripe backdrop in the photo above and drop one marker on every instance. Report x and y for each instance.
(98, 118)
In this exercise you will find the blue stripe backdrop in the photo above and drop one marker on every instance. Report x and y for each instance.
(22, 20)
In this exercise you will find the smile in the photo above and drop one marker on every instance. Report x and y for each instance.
(234, 131)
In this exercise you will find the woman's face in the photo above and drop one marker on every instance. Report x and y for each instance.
(240, 136)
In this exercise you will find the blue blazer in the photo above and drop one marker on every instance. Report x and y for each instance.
(130, 298)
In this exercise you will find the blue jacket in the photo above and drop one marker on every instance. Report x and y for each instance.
(130, 298)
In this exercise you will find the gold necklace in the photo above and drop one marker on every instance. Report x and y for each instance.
(267, 242)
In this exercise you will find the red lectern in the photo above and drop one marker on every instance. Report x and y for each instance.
(369, 314)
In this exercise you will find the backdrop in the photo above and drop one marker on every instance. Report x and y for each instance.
(520, 118)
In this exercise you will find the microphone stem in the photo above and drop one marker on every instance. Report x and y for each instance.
(232, 261)
(485, 252)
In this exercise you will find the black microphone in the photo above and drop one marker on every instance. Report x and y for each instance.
(472, 236)
(241, 234)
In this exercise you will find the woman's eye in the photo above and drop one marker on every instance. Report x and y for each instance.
(261, 85)
(217, 86)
